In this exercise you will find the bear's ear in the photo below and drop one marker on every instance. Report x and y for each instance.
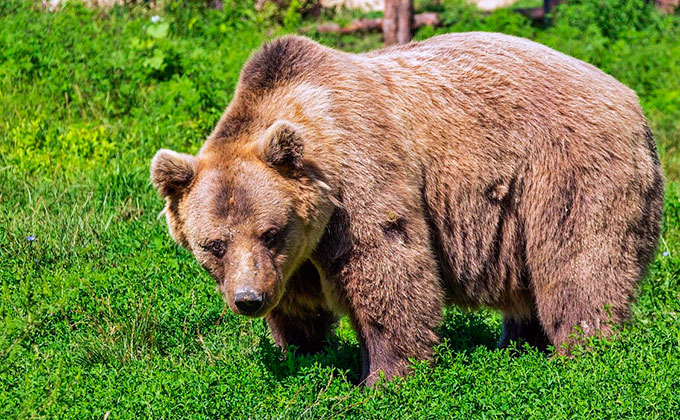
(172, 172)
(282, 146)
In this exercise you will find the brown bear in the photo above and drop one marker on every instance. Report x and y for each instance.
(475, 169)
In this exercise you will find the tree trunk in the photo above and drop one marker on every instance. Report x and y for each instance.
(398, 21)
(405, 21)
(358, 25)
(667, 6)
(548, 5)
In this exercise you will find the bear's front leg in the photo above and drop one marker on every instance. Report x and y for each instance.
(307, 331)
(395, 300)
(301, 318)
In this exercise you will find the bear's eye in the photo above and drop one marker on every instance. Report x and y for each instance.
(271, 237)
(217, 248)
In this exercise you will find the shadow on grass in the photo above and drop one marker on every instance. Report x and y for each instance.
(461, 332)
(464, 332)
(338, 354)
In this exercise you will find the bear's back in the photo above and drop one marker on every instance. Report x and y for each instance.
(501, 55)
(509, 81)
(466, 93)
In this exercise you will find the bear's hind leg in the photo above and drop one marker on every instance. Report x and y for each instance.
(585, 286)
(523, 331)
(585, 293)
(570, 316)
(591, 229)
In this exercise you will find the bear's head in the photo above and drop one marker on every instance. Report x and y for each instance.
(250, 212)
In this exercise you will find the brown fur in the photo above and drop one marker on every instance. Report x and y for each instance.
(477, 169)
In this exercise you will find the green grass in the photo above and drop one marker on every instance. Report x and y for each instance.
(528, 3)
(103, 313)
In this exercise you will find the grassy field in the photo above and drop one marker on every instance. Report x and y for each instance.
(101, 313)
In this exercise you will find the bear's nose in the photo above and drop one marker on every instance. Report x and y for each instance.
(248, 301)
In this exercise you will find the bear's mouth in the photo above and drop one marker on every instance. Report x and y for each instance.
(302, 289)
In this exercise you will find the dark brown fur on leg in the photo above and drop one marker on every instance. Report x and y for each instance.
(524, 331)
(390, 288)
(586, 264)
(301, 319)
(307, 332)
